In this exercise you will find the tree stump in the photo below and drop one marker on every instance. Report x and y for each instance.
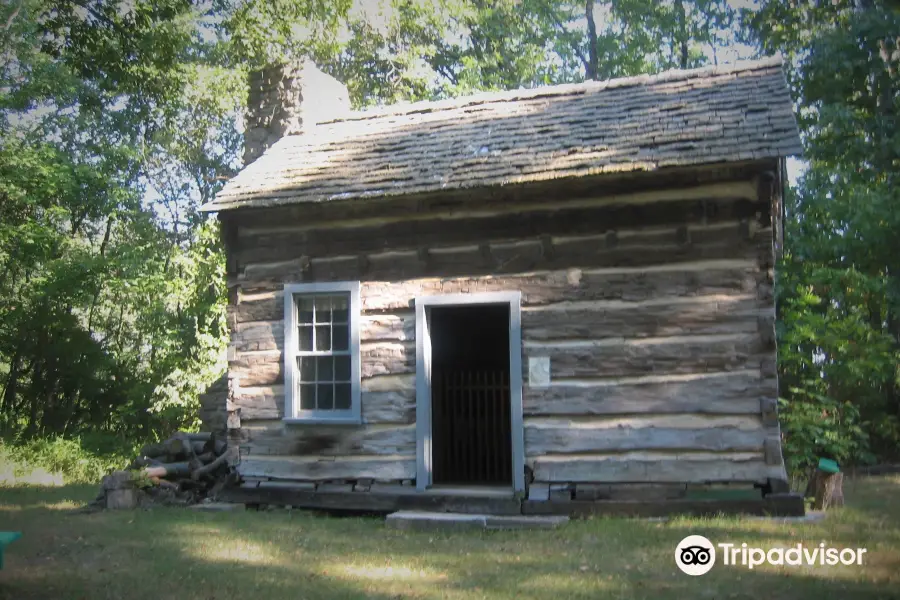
(125, 499)
(829, 490)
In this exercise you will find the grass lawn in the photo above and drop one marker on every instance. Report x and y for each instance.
(179, 553)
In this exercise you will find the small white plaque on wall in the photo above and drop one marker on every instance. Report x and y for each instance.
(539, 371)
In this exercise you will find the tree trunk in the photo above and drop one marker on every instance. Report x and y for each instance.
(37, 379)
(103, 244)
(10, 390)
(681, 15)
(591, 67)
(829, 490)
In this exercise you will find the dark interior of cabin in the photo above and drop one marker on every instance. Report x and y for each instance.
(470, 397)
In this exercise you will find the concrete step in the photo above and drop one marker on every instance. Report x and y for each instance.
(429, 521)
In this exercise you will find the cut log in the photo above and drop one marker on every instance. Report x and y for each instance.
(169, 470)
(154, 450)
(829, 490)
(203, 436)
(200, 460)
(209, 468)
(173, 448)
(216, 446)
(164, 483)
(187, 446)
(144, 461)
(168, 467)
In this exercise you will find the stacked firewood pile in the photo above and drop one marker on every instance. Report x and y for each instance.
(182, 470)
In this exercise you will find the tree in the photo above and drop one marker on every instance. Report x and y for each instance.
(839, 288)
(101, 306)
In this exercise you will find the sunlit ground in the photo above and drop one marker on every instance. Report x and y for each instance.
(178, 553)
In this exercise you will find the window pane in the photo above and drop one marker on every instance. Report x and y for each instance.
(325, 370)
(304, 335)
(339, 309)
(323, 337)
(326, 396)
(305, 309)
(307, 368)
(323, 309)
(342, 396)
(342, 368)
(341, 337)
(307, 396)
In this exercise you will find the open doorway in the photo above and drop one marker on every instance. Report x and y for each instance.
(470, 401)
(469, 392)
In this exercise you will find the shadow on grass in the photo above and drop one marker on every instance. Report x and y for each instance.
(183, 553)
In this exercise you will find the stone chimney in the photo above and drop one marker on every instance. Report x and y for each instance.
(288, 99)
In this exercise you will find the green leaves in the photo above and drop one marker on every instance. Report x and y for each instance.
(107, 289)
(839, 340)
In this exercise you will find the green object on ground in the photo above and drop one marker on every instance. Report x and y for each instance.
(829, 466)
(7, 538)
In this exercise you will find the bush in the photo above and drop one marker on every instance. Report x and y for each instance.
(818, 426)
(71, 460)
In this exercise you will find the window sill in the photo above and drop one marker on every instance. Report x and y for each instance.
(322, 421)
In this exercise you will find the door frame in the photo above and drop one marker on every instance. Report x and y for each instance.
(424, 449)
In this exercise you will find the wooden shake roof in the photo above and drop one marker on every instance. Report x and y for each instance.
(678, 118)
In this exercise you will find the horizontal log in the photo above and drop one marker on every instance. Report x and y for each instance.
(630, 491)
(256, 369)
(406, 264)
(388, 499)
(388, 327)
(316, 469)
(651, 356)
(701, 315)
(734, 180)
(705, 278)
(379, 358)
(654, 318)
(737, 392)
(294, 268)
(266, 306)
(326, 267)
(388, 399)
(389, 406)
(702, 278)
(518, 256)
(389, 383)
(646, 467)
(259, 403)
(564, 436)
(387, 358)
(611, 249)
(287, 242)
(277, 438)
(770, 506)
(257, 336)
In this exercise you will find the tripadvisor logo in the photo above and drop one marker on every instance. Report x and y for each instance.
(696, 555)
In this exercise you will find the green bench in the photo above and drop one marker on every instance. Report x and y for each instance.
(7, 538)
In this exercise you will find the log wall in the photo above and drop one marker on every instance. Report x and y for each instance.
(654, 307)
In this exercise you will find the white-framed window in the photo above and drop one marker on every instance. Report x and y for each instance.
(321, 352)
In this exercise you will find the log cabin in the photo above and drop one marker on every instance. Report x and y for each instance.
(544, 300)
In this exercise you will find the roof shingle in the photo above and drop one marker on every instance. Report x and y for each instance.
(677, 118)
